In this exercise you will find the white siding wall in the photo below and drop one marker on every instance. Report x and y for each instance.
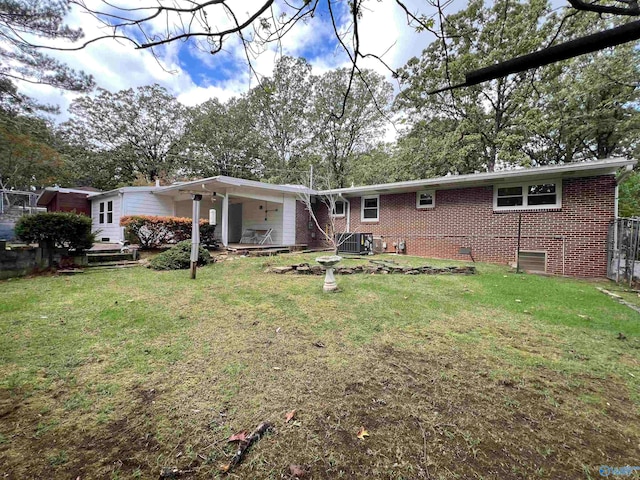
(289, 221)
(146, 203)
(184, 208)
(112, 230)
(253, 217)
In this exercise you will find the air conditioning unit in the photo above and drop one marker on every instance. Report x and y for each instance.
(355, 243)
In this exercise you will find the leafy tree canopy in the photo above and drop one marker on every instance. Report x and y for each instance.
(139, 130)
(578, 109)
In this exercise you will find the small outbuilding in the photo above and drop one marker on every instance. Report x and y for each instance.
(58, 199)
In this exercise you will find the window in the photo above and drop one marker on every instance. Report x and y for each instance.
(109, 212)
(528, 196)
(370, 208)
(426, 199)
(532, 261)
(338, 208)
(101, 212)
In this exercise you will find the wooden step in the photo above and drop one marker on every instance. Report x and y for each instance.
(109, 257)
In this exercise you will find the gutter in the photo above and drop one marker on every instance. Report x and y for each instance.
(348, 212)
(619, 179)
(623, 175)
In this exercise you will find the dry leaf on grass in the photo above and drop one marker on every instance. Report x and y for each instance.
(238, 437)
(362, 433)
(297, 471)
(290, 416)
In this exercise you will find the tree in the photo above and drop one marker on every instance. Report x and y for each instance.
(141, 130)
(28, 153)
(222, 140)
(22, 61)
(334, 229)
(483, 116)
(280, 108)
(578, 109)
(348, 117)
(588, 110)
(629, 194)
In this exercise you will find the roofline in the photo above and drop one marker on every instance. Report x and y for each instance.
(64, 190)
(239, 182)
(608, 167)
(122, 190)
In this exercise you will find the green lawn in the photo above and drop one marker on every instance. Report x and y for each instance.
(116, 374)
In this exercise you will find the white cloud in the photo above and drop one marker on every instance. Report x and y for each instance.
(118, 65)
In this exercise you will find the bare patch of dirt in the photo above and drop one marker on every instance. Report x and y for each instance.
(436, 412)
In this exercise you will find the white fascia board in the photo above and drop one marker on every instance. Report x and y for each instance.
(598, 167)
(235, 182)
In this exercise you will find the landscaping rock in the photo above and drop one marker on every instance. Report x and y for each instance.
(281, 269)
(378, 268)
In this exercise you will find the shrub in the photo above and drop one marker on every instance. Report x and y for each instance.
(207, 235)
(154, 231)
(56, 229)
(179, 257)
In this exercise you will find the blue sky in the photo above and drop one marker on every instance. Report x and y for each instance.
(194, 76)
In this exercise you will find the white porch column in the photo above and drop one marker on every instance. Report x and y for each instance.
(225, 220)
(195, 234)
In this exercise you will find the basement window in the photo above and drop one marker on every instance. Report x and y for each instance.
(528, 196)
(426, 199)
(532, 261)
(370, 208)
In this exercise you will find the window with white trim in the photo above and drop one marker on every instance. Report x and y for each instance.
(528, 196)
(110, 212)
(426, 199)
(370, 208)
(101, 216)
(338, 208)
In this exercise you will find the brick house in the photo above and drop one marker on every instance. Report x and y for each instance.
(564, 210)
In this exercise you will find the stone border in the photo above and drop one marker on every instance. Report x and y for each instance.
(376, 269)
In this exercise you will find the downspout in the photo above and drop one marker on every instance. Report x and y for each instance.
(619, 179)
(348, 212)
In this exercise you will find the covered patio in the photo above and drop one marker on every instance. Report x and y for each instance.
(247, 213)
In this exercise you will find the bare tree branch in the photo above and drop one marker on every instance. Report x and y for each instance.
(632, 8)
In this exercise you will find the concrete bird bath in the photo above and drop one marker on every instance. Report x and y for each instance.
(328, 262)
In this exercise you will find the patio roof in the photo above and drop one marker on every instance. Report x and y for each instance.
(222, 182)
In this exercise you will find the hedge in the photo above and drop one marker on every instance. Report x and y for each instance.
(179, 257)
(56, 229)
(152, 231)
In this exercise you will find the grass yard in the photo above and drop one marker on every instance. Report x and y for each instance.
(116, 374)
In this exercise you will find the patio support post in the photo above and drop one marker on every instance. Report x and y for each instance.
(225, 220)
(195, 234)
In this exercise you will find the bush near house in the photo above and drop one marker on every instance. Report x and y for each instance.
(152, 231)
(56, 229)
(179, 257)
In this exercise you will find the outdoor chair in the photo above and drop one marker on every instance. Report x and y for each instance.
(248, 236)
(264, 237)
